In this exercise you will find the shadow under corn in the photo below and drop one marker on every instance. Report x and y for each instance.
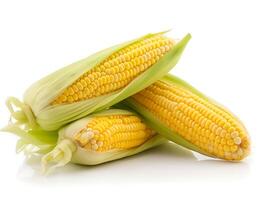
(166, 163)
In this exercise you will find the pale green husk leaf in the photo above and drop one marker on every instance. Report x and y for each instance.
(37, 140)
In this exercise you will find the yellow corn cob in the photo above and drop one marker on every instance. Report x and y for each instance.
(96, 82)
(113, 132)
(204, 124)
(101, 137)
(117, 71)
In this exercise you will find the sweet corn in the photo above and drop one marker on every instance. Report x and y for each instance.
(97, 82)
(117, 71)
(113, 132)
(101, 137)
(182, 114)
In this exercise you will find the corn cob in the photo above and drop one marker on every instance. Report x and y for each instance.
(101, 137)
(106, 133)
(182, 114)
(97, 82)
(117, 71)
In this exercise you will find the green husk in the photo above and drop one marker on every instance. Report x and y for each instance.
(37, 111)
(38, 140)
(153, 122)
(67, 150)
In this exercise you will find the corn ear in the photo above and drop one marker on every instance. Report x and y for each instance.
(99, 138)
(187, 117)
(43, 105)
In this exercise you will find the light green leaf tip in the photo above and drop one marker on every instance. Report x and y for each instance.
(32, 141)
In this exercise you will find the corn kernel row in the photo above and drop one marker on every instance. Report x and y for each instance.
(117, 71)
(116, 132)
(204, 124)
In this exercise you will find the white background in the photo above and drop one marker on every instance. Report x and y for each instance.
(225, 59)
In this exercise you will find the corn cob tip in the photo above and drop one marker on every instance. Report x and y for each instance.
(115, 132)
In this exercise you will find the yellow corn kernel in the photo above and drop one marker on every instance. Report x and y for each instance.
(206, 125)
(117, 71)
(117, 132)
